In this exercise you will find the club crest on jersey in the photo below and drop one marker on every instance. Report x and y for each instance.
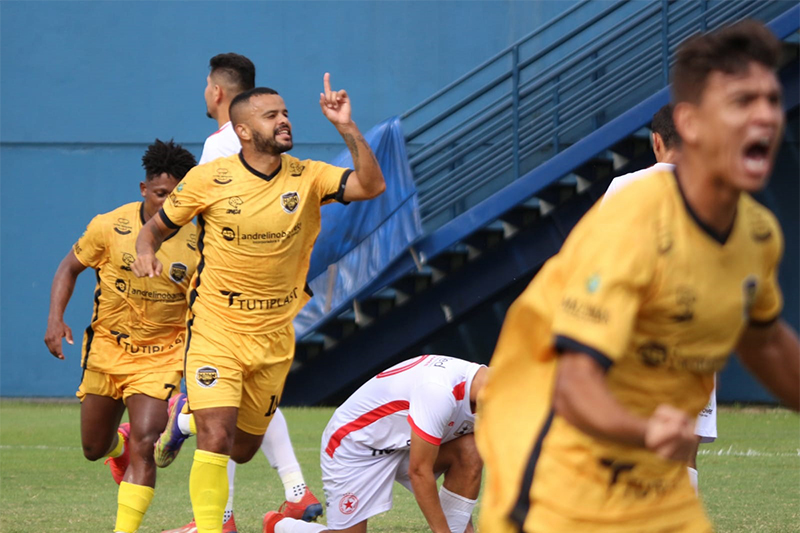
(177, 272)
(348, 504)
(206, 376)
(749, 289)
(290, 201)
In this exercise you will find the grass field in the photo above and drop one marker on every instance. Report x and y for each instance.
(750, 478)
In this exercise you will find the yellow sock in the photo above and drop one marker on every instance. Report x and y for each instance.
(192, 425)
(132, 503)
(208, 488)
(119, 448)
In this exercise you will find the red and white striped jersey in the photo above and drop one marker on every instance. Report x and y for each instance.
(428, 395)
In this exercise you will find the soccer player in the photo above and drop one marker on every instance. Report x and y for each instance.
(409, 424)
(259, 215)
(605, 360)
(230, 75)
(133, 348)
(666, 145)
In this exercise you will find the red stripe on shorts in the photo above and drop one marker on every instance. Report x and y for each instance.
(363, 421)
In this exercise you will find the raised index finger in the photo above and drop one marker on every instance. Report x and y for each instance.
(326, 83)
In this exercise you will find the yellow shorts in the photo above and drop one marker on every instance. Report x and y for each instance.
(228, 369)
(158, 385)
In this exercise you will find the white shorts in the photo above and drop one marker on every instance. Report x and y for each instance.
(706, 425)
(357, 489)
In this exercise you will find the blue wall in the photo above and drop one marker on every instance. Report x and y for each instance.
(85, 86)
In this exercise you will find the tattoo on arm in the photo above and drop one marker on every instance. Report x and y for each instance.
(350, 141)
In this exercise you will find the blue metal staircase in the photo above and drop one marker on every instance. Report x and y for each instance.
(506, 159)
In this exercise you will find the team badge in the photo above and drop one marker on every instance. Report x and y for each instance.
(289, 201)
(177, 272)
(348, 504)
(206, 376)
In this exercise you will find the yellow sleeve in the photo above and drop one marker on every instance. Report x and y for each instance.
(187, 200)
(91, 247)
(329, 181)
(607, 271)
(768, 302)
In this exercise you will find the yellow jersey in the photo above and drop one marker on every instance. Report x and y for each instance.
(660, 301)
(138, 324)
(256, 236)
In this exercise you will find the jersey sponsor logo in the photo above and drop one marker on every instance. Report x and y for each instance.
(222, 177)
(121, 285)
(348, 504)
(377, 452)
(260, 237)
(749, 290)
(759, 227)
(144, 349)
(173, 199)
(290, 201)
(122, 226)
(584, 310)
(77, 248)
(177, 272)
(206, 376)
(234, 202)
(685, 300)
(127, 261)
(152, 296)
(180, 186)
(296, 169)
(192, 242)
(653, 354)
(228, 234)
(235, 301)
(120, 336)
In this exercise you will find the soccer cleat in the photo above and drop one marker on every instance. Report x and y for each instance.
(307, 509)
(119, 464)
(271, 520)
(191, 527)
(171, 439)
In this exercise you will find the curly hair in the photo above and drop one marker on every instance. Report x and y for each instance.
(161, 157)
(730, 50)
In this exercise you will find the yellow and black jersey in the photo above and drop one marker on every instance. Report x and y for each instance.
(659, 300)
(138, 324)
(256, 236)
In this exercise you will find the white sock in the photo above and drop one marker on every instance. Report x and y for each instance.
(277, 447)
(231, 476)
(457, 509)
(183, 423)
(290, 525)
(693, 478)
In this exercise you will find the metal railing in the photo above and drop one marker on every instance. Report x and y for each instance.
(547, 91)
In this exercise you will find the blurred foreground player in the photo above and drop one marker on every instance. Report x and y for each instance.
(133, 348)
(259, 214)
(603, 362)
(666, 147)
(230, 75)
(410, 424)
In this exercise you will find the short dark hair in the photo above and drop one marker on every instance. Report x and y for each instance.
(729, 49)
(243, 98)
(161, 157)
(665, 127)
(237, 70)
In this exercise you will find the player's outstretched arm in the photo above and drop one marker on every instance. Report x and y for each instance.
(60, 293)
(150, 238)
(422, 458)
(772, 354)
(367, 181)
(583, 398)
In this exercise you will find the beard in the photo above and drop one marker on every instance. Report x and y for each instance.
(265, 145)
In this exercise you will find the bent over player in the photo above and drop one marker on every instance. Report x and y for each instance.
(608, 356)
(259, 215)
(133, 348)
(410, 424)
